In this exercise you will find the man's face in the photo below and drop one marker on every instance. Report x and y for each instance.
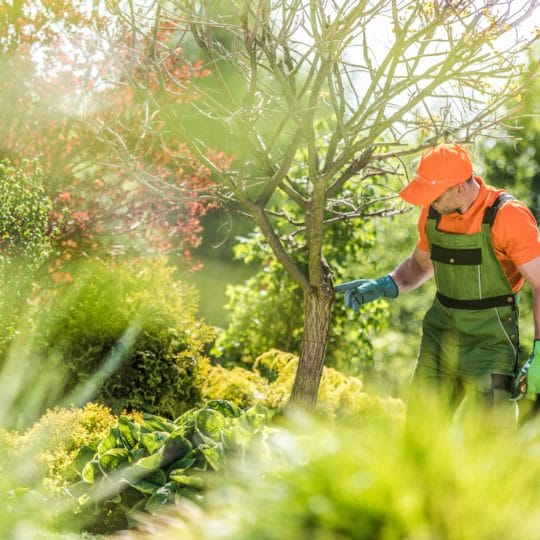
(449, 202)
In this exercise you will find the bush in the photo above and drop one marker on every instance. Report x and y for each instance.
(25, 242)
(24, 214)
(150, 462)
(129, 332)
(59, 435)
(270, 383)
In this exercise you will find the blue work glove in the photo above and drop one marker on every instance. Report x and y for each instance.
(362, 291)
(533, 371)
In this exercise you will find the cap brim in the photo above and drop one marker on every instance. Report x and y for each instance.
(421, 193)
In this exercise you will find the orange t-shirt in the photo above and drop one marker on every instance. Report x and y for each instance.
(515, 234)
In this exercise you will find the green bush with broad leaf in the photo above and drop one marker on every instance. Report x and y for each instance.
(144, 465)
(126, 334)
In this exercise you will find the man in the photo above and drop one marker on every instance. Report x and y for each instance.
(480, 244)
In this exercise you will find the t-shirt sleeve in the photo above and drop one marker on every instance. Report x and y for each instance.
(422, 233)
(516, 234)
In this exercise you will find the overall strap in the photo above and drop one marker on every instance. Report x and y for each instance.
(491, 211)
(433, 214)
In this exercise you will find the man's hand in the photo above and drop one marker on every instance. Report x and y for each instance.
(362, 291)
(533, 373)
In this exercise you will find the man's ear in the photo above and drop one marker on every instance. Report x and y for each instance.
(460, 188)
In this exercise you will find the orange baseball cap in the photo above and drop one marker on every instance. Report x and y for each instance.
(440, 168)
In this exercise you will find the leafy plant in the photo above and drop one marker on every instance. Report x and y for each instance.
(144, 466)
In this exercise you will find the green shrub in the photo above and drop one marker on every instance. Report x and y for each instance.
(24, 214)
(129, 332)
(25, 242)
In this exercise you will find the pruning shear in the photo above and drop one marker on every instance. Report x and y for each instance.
(520, 384)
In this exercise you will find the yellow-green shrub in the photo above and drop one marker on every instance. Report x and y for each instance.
(8, 441)
(58, 436)
(271, 380)
(238, 385)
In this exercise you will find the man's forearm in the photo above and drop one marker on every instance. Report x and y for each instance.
(411, 273)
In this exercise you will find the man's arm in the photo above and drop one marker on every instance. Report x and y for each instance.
(531, 272)
(413, 271)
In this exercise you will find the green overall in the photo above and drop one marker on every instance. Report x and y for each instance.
(470, 335)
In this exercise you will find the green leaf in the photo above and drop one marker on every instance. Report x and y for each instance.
(84, 455)
(153, 441)
(195, 482)
(151, 462)
(161, 498)
(236, 437)
(215, 456)
(210, 422)
(113, 440)
(147, 483)
(130, 432)
(114, 459)
(226, 408)
(157, 423)
(184, 463)
(91, 471)
(176, 447)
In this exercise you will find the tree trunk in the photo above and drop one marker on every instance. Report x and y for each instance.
(317, 314)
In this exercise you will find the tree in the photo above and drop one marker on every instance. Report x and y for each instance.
(284, 66)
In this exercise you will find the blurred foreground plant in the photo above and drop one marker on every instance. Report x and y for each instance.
(376, 479)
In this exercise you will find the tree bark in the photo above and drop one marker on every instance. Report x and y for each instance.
(317, 314)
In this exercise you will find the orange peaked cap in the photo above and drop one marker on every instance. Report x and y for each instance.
(440, 168)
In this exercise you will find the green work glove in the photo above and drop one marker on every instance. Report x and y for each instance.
(533, 373)
(362, 291)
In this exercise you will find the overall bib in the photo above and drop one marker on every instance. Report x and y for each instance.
(470, 338)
